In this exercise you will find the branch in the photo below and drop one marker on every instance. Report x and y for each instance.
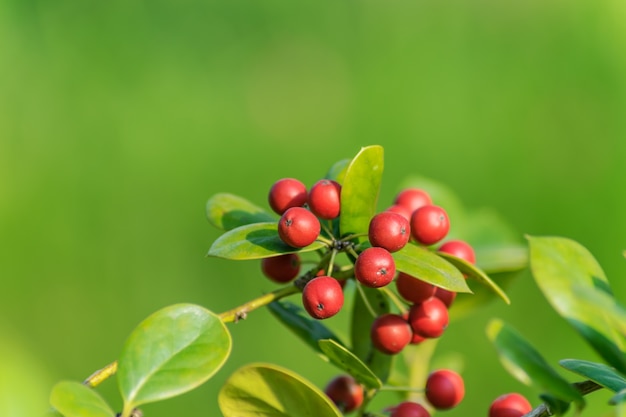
(584, 387)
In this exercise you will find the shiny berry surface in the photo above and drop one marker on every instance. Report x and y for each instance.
(444, 389)
(281, 268)
(322, 297)
(324, 199)
(286, 193)
(390, 333)
(375, 267)
(429, 224)
(298, 227)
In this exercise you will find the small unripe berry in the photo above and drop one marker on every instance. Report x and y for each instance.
(460, 249)
(444, 389)
(413, 198)
(322, 297)
(375, 267)
(429, 318)
(429, 224)
(345, 392)
(389, 230)
(414, 289)
(409, 409)
(298, 227)
(510, 405)
(282, 268)
(286, 193)
(390, 333)
(324, 199)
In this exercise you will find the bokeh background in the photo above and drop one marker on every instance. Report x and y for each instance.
(119, 119)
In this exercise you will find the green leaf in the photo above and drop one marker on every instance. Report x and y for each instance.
(527, 365)
(365, 300)
(501, 258)
(299, 322)
(556, 406)
(172, 351)
(338, 171)
(263, 390)
(597, 372)
(619, 399)
(427, 266)
(475, 273)
(347, 361)
(73, 399)
(255, 241)
(228, 211)
(359, 192)
(575, 285)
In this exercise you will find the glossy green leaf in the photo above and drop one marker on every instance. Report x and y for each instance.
(359, 192)
(255, 241)
(526, 364)
(172, 351)
(338, 171)
(263, 390)
(620, 400)
(501, 258)
(465, 304)
(347, 361)
(575, 285)
(427, 266)
(474, 272)
(228, 211)
(365, 300)
(73, 399)
(556, 406)
(597, 372)
(301, 324)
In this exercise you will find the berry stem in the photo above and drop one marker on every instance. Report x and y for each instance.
(240, 312)
(331, 263)
(352, 236)
(327, 229)
(365, 301)
(394, 299)
(325, 240)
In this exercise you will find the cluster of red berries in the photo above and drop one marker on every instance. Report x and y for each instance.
(444, 390)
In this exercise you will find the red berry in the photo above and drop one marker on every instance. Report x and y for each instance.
(345, 392)
(413, 198)
(446, 296)
(414, 289)
(286, 193)
(409, 409)
(325, 199)
(322, 297)
(282, 268)
(460, 249)
(298, 227)
(390, 333)
(389, 230)
(429, 318)
(402, 210)
(444, 389)
(375, 267)
(510, 405)
(429, 224)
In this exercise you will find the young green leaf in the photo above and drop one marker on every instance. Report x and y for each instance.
(73, 399)
(474, 272)
(338, 171)
(255, 241)
(347, 361)
(359, 192)
(228, 211)
(172, 351)
(576, 287)
(597, 372)
(301, 324)
(427, 266)
(263, 390)
(523, 361)
(368, 303)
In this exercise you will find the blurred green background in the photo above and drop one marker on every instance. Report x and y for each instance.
(119, 119)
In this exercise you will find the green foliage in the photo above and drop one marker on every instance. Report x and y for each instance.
(171, 352)
(228, 211)
(73, 399)
(350, 363)
(263, 390)
(597, 372)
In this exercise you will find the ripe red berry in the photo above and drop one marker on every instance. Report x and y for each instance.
(282, 268)
(325, 199)
(444, 389)
(414, 289)
(322, 297)
(390, 333)
(429, 224)
(413, 198)
(375, 267)
(510, 405)
(298, 227)
(345, 392)
(401, 210)
(460, 249)
(446, 296)
(389, 230)
(429, 318)
(286, 193)
(409, 409)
